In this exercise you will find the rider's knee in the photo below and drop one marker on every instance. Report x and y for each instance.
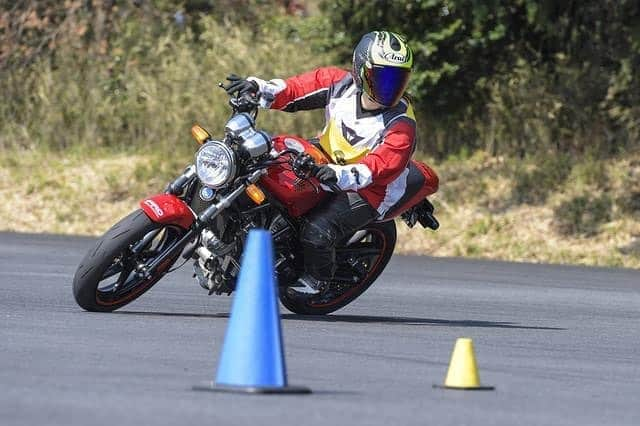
(318, 234)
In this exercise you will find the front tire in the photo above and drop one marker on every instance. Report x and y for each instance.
(374, 250)
(108, 277)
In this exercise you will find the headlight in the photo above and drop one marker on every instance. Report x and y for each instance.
(215, 164)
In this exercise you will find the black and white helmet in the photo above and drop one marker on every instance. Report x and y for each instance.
(382, 63)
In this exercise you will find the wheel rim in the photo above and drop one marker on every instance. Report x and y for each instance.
(367, 251)
(123, 279)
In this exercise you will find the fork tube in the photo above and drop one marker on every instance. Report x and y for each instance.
(146, 240)
(213, 210)
(149, 271)
(204, 218)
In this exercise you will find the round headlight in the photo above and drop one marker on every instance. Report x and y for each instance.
(215, 164)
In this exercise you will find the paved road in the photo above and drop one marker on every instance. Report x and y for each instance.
(561, 345)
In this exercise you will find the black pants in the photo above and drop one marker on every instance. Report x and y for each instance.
(338, 217)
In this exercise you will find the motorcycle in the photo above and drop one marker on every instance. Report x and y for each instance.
(243, 181)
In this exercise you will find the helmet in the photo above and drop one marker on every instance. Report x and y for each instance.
(382, 63)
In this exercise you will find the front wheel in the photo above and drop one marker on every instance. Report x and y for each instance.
(360, 260)
(111, 273)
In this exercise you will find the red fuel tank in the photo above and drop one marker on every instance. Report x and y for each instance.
(298, 196)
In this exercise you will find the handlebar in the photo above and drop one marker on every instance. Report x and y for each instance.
(302, 164)
(245, 102)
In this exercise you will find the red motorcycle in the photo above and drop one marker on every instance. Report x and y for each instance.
(246, 180)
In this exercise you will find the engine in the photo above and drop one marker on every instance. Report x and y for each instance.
(216, 266)
(217, 262)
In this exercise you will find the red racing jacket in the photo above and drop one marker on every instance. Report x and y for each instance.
(371, 150)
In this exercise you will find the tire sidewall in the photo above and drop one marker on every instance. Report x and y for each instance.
(388, 228)
(92, 267)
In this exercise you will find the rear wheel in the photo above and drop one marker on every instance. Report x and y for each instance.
(111, 273)
(360, 261)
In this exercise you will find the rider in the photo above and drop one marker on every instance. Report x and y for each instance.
(370, 135)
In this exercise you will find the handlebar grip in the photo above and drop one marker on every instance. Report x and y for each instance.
(333, 187)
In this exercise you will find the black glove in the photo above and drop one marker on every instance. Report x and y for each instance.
(326, 175)
(240, 86)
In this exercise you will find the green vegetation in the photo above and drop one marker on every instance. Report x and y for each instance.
(529, 110)
(582, 214)
(515, 77)
(145, 89)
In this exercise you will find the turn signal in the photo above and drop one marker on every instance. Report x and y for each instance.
(255, 194)
(199, 134)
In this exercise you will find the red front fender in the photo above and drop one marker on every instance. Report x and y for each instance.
(168, 209)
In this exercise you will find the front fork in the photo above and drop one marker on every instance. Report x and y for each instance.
(178, 185)
(201, 221)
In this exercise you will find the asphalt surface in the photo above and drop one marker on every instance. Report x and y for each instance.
(560, 344)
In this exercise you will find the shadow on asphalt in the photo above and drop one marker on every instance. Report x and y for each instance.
(368, 319)
(364, 319)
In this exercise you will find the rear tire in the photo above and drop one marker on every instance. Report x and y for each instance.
(111, 257)
(383, 236)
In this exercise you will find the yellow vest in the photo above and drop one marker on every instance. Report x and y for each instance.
(336, 146)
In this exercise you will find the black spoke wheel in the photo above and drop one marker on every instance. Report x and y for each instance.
(112, 273)
(360, 261)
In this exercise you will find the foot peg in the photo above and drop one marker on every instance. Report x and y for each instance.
(423, 213)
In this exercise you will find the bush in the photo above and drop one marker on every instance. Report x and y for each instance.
(533, 184)
(582, 215)
(148, 88)
(630, 203)
(513, 77)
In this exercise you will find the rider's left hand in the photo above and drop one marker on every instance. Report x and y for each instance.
(326, 175)
(241, 86)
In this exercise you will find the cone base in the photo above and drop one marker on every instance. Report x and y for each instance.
(213, 387)
(478, 388)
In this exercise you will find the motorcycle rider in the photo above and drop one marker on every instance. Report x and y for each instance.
(370, 134)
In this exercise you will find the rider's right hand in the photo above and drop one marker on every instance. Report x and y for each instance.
(240, 86)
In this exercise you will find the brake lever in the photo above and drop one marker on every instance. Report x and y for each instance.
(243, 103)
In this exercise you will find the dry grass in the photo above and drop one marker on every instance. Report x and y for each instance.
(67, 196)
(481, 216)
(86, 195)
(68, 123)
(523, 234)
(147, 92)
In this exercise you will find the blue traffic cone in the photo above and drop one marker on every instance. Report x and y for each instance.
(252, 358)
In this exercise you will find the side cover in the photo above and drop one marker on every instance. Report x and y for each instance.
(168, 210)
(421, 181)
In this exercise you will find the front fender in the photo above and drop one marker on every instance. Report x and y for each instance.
(168, 210)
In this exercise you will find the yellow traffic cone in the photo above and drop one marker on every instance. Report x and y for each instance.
(463, 371)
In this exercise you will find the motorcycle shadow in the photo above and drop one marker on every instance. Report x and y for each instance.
(363, 319)
(372, 319)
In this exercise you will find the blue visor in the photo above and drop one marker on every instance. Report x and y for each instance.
(386, 84)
